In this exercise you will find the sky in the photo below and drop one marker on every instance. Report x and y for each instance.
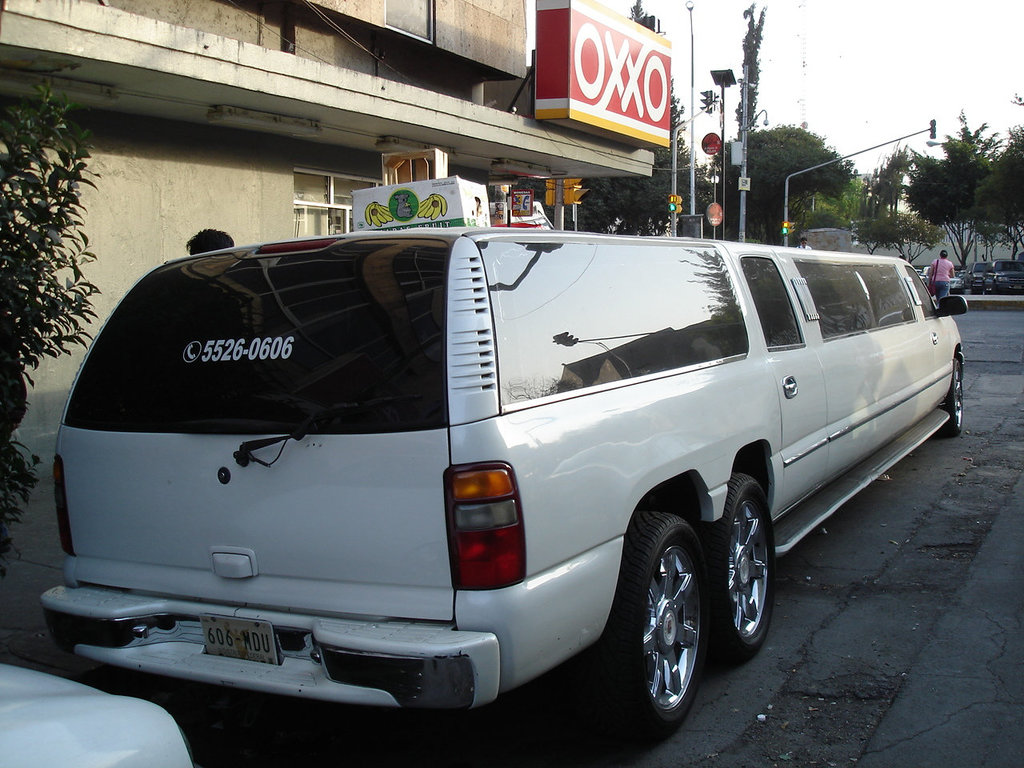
(857, 73)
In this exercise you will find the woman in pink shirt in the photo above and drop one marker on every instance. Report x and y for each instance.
(941, 273)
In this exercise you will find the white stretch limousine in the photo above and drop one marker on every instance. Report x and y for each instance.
(419, 469)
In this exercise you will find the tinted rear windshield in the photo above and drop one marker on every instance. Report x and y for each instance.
(254, 343)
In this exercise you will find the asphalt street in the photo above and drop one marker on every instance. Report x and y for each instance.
(896, 641)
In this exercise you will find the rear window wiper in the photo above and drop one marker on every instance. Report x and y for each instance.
(244, 455)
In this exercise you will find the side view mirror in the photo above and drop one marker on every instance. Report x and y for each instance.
(952, 305)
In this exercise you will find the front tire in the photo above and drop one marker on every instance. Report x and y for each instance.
(741, 571)
(641, 677)
(954, 402)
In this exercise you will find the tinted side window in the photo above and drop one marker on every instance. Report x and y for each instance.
(852, 298)
(924, 298)
(774, 309)
(889, 300)
(575, 315)
(250, 343)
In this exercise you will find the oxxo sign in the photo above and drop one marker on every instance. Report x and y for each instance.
(601, 72)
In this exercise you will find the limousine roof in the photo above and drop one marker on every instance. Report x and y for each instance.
(451, 234)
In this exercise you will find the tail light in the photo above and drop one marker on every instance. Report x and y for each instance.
(60, 498)
(485, 524)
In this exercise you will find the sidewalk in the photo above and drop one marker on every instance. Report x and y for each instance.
(994, 302)
(33, 566)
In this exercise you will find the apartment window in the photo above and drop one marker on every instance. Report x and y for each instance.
(413, 16)
(323, 202)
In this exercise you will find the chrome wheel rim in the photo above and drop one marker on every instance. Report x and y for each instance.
(748, 569)
(958, 395)
(673, 628)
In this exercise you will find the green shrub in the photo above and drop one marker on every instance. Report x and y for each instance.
(45, 300)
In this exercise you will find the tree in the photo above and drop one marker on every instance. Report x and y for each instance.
(907, 234)
(886, 186)
(751, 59)
(776, 153)
(1001, 194)
(943, 191)
(45, 300)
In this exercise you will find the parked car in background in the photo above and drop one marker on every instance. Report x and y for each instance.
(1004, 277)
(956, 284)
(47, 720)
(974, 279)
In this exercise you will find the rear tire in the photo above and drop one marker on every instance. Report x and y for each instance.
(954, 402)
(641, 677)
(741, 572)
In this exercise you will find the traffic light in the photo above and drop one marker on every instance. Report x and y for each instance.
(786, 226)
(707, 101)
(573, 191)
(931, 125)
(675, 203)
(549, 192)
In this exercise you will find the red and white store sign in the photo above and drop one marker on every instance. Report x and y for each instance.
(599, 70)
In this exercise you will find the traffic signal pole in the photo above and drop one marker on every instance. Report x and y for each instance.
(785, 200)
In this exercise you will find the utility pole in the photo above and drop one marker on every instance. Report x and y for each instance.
(744, 128)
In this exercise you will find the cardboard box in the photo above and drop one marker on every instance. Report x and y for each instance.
(449, 202)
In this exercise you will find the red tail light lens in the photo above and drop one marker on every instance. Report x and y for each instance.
(61, 500)
(485, 524)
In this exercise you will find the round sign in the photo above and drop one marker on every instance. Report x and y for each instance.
(711, 144)
(714, 214)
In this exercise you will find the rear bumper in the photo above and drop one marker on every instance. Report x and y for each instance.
(383, 663)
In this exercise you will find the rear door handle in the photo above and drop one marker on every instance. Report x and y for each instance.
(789, 387)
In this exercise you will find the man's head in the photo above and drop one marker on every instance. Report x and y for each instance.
(209, 240)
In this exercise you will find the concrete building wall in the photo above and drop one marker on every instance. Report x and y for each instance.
(156, 184)
(487, 32)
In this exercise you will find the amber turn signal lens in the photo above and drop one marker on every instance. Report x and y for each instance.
(482, 484)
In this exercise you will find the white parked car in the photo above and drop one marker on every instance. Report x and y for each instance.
(46, 720)
(421, 468)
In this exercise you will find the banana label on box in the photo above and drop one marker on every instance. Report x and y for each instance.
(448, 202)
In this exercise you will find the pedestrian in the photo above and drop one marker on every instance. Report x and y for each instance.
(939, 275)
(209, 240)
(803, 243)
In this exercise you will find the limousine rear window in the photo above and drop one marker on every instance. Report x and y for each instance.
(856, 297)
(256, 343)
(574, 315)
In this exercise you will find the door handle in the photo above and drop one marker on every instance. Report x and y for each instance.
(789, 387)
(935, 339)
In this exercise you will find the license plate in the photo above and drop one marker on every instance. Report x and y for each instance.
(240, 639)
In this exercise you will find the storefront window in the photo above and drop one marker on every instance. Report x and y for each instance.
(323, 203)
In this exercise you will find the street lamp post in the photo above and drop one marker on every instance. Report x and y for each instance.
(693, 137)
(745, 125)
